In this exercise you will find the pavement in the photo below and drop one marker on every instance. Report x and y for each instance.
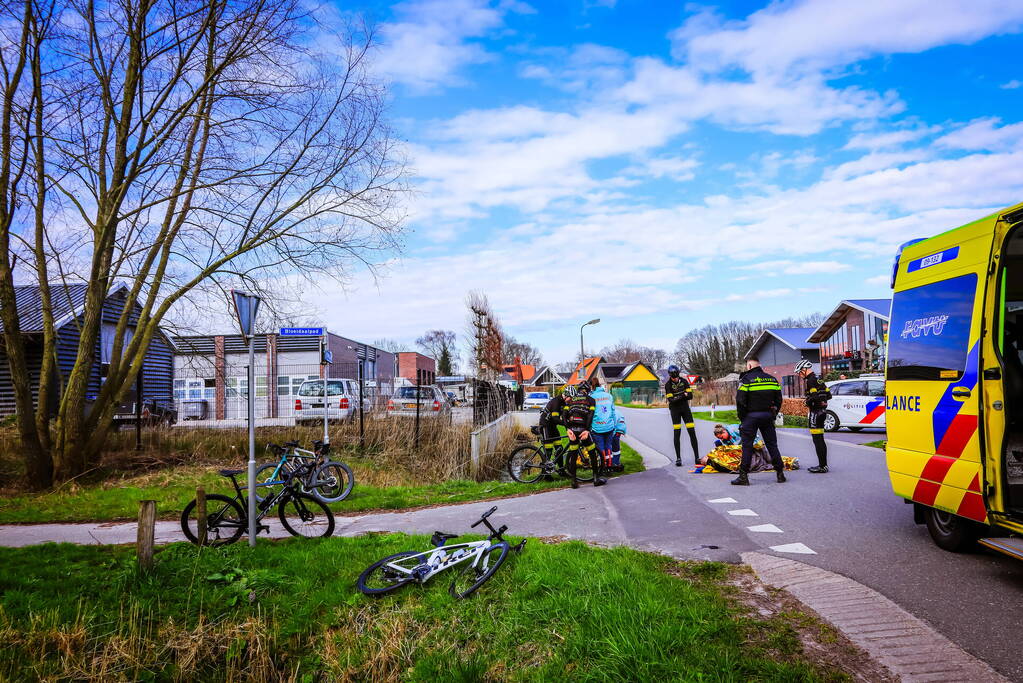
(846, 524)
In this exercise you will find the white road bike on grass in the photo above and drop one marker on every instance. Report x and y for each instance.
(478, 561)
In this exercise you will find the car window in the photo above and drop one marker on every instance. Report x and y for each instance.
(875, 388)
(410, 392)
(316, 388)
(538, 394)
(850, 389)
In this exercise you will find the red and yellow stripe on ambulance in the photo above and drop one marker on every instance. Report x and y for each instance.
(932, 393)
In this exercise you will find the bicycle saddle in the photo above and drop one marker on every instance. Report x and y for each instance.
(439, 538)
(230, 473)
(291, 444)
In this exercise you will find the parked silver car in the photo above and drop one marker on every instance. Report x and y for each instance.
(432, 402)
(342, 400)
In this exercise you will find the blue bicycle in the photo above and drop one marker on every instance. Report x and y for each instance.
(326, 479)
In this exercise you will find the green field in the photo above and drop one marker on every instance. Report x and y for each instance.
(289, 611)
(117, 498)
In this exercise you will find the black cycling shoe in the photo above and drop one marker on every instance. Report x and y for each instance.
(599, 481)
(678, 462)
(819, 469)
(741, 480)
(575, 483)
(781, 477)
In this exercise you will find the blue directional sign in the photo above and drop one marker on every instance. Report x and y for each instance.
(301, 332)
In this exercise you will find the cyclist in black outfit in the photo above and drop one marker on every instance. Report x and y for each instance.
(678, 392)
(817, 397)
(757, 401)
(577, 416)
(550, 418)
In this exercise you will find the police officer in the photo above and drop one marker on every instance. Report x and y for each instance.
(678, 392)
(817, 397)
(550, 418)
(577, 416)
(757, 401)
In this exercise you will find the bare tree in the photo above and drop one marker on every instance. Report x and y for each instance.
(179, 148)
(391, 345)
(484, 337)
(527, 353)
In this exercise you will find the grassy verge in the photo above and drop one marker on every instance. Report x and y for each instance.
(640, 405)
(290, 611)
(731, 417)
(880, 443)
(172, 488)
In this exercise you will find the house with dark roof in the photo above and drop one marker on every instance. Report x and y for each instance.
(779, 349)
(547, 377)
(68, 303)
(851, 338)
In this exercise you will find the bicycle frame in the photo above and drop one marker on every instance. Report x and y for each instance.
(262, 507)
(295, 453)
(431, 562)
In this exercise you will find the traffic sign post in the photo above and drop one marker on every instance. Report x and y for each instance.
(325, 360)
(246, 306)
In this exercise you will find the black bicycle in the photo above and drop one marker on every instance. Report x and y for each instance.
(529, 463)
(227, 518)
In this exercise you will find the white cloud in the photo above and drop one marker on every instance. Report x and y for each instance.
(809, 35)
(674, 168)
(432, 40)
(887, 139)
(1011, 85)
(984, 134)
(879, 281)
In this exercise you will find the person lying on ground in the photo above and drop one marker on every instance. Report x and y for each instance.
(726, 459)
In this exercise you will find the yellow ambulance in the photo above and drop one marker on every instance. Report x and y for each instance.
(954, 383)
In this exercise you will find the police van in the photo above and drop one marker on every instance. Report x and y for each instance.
(856, 403)
(954, 393)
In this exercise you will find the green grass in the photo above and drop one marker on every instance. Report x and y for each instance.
(731, 417)
(880, 443)
(638, 405)
(290, 611)
(117, 499)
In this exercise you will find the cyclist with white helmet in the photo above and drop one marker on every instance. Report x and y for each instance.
(817, 397)
(679, 392)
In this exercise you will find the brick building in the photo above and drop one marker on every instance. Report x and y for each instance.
(852, 338)
(409, 362)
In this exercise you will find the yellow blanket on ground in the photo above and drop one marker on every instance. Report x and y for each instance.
(727, 458)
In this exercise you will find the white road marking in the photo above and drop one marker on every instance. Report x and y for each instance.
(765, 528)
(723, 500)
(797, 548)
(675, 521)
(745, 512)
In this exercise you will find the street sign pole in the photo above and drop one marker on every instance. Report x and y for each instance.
(326, 371)
(245, 307)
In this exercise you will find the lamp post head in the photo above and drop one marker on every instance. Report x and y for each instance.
(594, 321)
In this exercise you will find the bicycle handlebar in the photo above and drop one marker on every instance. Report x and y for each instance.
(483, 518)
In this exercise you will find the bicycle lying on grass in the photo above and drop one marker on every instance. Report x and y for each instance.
(479, 560)
(329, 480)
(529, 463)
(227, 518)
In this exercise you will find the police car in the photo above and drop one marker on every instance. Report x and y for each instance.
(856, 403)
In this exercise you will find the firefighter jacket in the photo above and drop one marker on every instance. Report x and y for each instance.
(551, 413)
(758, 392)
(817, 392)
(676, 390)
(577, 412)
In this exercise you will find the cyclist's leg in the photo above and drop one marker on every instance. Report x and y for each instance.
(676, 425)
(816, 421)
(687, 420)
(596, 459)
(572, 453)
(551, 439)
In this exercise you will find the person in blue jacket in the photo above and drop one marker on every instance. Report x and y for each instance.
(616, 445)
(605, 422)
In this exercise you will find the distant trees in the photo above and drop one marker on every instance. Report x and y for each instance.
(628, 351)
(714, 350)
(440, 345)
(391, 345)
(529, 354)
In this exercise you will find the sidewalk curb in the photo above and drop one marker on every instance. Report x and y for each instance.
(907, 646)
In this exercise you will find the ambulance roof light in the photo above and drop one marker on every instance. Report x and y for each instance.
(898, 254)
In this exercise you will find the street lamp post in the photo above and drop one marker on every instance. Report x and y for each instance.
(582, 351)
(245, 307)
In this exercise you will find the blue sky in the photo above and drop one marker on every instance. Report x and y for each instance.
(666, 165)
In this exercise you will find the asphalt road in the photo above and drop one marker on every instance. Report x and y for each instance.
(855, 526)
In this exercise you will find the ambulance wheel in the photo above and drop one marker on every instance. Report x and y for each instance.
(831, 422)
(951, 532)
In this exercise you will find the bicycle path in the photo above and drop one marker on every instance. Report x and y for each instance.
(646, 510)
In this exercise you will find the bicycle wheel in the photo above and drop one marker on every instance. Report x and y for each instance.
(471, 577)
(526, 464)
(225, 520)
(583, 472)
(303, 515)
(264, 476)
(379, 578)
(332, 481)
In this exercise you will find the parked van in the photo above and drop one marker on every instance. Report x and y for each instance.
(954, 394)
(856, 403)
(342, 401)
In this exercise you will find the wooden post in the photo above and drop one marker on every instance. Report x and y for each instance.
(147, 527)
(200, 514)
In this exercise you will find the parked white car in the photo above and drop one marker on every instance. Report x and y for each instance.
(536, 400)
(856, 403)
(432, 402)
(342, 400)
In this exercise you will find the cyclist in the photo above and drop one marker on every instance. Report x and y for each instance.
(678, 392)
(817, 397)
(550, 418)
(577, 416)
